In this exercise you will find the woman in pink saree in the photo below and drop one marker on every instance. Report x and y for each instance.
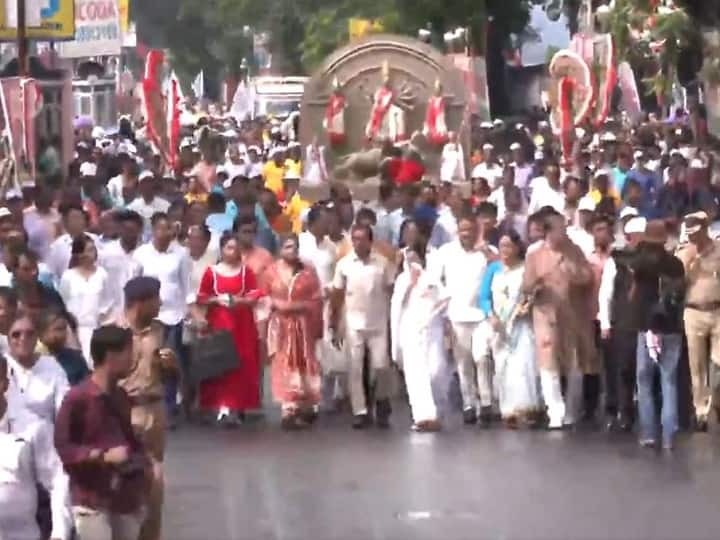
(295, 326)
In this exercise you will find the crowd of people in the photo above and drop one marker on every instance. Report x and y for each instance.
(539, 293)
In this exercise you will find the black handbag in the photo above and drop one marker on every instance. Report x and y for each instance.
(213, 355)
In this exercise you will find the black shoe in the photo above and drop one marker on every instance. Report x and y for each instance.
(624, 423)
(361, 421)
(470, 417)
(383, 409)
(701, 425)
(486, 417)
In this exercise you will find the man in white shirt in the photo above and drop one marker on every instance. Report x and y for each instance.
(460, 265)
(28, 458)
(549, 193)
(169, 263)
(38, 384)
(523, 170)
(579, 233)
(445, 229)
(75, 223)
(488, 169)
(117, 257)
(317, 249)
(148, 204)
(363, 281)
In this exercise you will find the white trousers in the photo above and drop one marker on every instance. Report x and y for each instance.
(376, 342)
(471, 350)
(562, 411)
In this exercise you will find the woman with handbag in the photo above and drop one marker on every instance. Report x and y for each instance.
(293, 331)
(229, 292)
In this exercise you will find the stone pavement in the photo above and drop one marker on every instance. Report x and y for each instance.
(259, 483)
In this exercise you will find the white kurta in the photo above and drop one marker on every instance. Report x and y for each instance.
(417, 344)
(28, 458)
(121, 267)
(38, 390)
(90, 300)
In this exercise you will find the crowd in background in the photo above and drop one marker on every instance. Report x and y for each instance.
(537, 291)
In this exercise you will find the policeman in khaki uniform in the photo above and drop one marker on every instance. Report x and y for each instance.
(701, 258)
(152, 364)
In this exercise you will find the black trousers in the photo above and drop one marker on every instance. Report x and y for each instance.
(620, 367)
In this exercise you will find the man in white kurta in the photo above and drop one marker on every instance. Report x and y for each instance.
(28, 458)
(459, 266)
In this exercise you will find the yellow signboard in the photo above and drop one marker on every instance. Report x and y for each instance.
(57, 22)
(124, 15)
(358, 28)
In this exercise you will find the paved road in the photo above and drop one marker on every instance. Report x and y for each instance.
(259, 483)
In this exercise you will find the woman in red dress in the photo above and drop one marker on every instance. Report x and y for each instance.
(294, 328)
(229, 291)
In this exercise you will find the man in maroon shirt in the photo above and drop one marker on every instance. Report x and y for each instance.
(106, 463)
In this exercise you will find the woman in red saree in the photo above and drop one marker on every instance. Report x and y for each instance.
(229, 291)
(294, 328)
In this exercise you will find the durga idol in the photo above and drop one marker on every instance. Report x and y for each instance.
(387, 120)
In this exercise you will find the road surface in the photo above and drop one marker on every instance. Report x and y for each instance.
(259, 483)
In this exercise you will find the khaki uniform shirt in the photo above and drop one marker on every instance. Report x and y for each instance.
(146, 374)
(702, 273)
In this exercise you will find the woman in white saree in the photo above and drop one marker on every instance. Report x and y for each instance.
(417, 341)
(500, 298)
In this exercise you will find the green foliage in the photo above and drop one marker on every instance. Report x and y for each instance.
(209, 34)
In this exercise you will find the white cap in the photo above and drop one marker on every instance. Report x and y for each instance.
(629, 211)
(608, 137)
(542, 124)
(697, 164)
(586, 204)
(486, 125)
(255, 149)
(98, 133)
(515, 146)
(498, 122)
(539, 154)
(88, 168)
(13, 193)
(636, 225)
(676, 152)
(487, 146)
(4, 212)
(638, 154)
(579, 132)
(519, 126)
(227, 184)
(187, 142)
(146, 175)
(221, 169)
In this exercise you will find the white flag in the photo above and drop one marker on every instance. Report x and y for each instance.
(198, 85)
(242, 103)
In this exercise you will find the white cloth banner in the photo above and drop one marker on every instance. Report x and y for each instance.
(97, 30)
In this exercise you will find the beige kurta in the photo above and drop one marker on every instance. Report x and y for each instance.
(563, 334)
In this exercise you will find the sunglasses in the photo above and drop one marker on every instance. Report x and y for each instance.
(17, 334)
